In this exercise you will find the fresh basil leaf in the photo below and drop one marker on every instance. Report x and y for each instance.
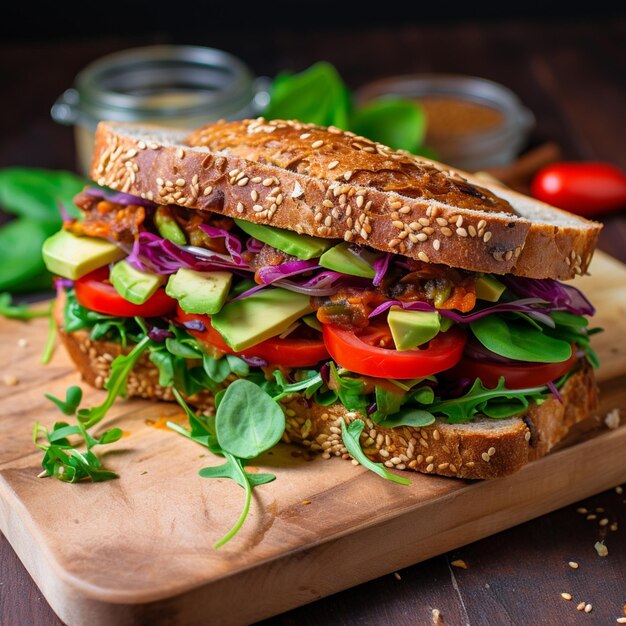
(394, 122)
(316, 95)
(36, 193)
(417, 418)
(350, 436)
(248, 422)
(517, 340)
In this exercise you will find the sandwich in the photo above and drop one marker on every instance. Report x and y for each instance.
(399, 312)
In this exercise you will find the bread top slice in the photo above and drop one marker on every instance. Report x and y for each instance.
(330, 183)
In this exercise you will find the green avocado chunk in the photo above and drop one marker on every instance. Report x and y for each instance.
(133, 284)
(72, 257)
(168, 227)
(302, 246)
(411, 329)
(340, 258)
(199, 292)
(246, 322)
(488, 288)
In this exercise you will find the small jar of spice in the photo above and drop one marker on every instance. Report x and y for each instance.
(176, 86)
(471, 123)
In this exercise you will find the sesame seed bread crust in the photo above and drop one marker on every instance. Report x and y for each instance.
(484, 448)
(401, 204)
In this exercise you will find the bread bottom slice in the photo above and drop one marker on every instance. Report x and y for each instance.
(483, 448)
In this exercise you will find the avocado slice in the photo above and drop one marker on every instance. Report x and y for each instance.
(411, 329)
(246, 322)
(133, 284)
(340, 258)
(199, 292)
(72, 257)
(302, 246)
(168, 227)
(488, 288)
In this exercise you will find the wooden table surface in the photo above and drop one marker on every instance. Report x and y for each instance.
(573, 77)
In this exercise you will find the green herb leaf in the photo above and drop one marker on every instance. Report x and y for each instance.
(351, 391)
(19, 311)
(309, 384)
(73, 397)
(417, 418)
(387, 403)
(248, 422)
(350, 436)
(514, 339)
(228, 470)
(400, 124)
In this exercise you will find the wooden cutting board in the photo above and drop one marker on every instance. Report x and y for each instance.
(138, 549)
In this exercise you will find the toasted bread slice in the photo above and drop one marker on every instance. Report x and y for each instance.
(483, 448)
(330, 183)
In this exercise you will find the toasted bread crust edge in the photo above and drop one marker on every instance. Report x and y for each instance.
(422, 229)
(483, 449)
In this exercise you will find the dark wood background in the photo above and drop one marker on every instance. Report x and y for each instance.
(572, 74)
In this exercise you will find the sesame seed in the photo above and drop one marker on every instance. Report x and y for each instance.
(601, 549)
(580, 606)
(404, 210)
(395, 205)
(619, 490)
(481, 224)
(566, 596)
(436, 244)
(603, 522)
(180, 153)
(527, 435)
(131, 153)
(429, 459)
(10, 380)
(398, 224)
(582, 510)
(442, 222)
(592, 516)
(491, 451)
(573, 564)
(423, 256)
(430, 468)
(485, 457)
(347, 236)
(328, 221)
(487, 236)
(460, 563)
(621, 620)
(461, 232)
(180, 182)
(588, 608)
(446, 231)
(305, 135)
(317, 144)
(267, 182)
(243, 182)
(613, 526)
(421, 237)
(471, 230)
(332, 165)
(397, 576)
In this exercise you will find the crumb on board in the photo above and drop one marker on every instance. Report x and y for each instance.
(588, 608)
(581, 606)
(612, 419)
(437, 619)
(601, 549)
(619, 490)
(566, 596)
(306, 501)
(10, 380)
(397, 576)
(582, 510)
(22, 343)
(573, 564)
(460, 563)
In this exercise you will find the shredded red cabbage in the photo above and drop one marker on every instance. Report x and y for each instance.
(560, 296)
(231, 241)
(380, 267)
(555, 392)
(119, 197)
(254, 245)
(197, 325)
(159, 334)
(253, 361)
(272, 273)
(65, 216)
(521, 306)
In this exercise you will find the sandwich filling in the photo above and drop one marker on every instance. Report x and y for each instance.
(214, 299)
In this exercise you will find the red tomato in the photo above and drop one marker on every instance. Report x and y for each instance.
(94, 292)
(288, 352)
(360, 352)
(515, 376)
(585, 188)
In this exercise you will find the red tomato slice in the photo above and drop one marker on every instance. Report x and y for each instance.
(288, 352)
(515, 376)
(360, 352)
(95, 293)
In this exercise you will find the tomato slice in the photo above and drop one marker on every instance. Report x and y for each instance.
(94, 292)
(515, 376)
(288, 352)
(360, 351)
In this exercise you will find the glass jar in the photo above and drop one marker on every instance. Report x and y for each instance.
(471, 123)
(176, 86)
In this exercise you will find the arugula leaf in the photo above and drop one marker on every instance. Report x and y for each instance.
(202, 428)
(228, 471)
(391, 121)
(479, 399)
(517, 340)
(351, 391)
(248, 421)
(350, 436)
(309, 384)
(73, 397)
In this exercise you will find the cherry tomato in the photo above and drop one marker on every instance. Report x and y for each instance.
(360, 351)
(288, 352)
(585, 188)
(94, 292)
(515, 376)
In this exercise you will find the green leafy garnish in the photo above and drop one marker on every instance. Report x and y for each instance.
(350, 436)
(490, 402)
(417, 418)
(62, 459)
(19, 311)
(350, 390)
(515, 339)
